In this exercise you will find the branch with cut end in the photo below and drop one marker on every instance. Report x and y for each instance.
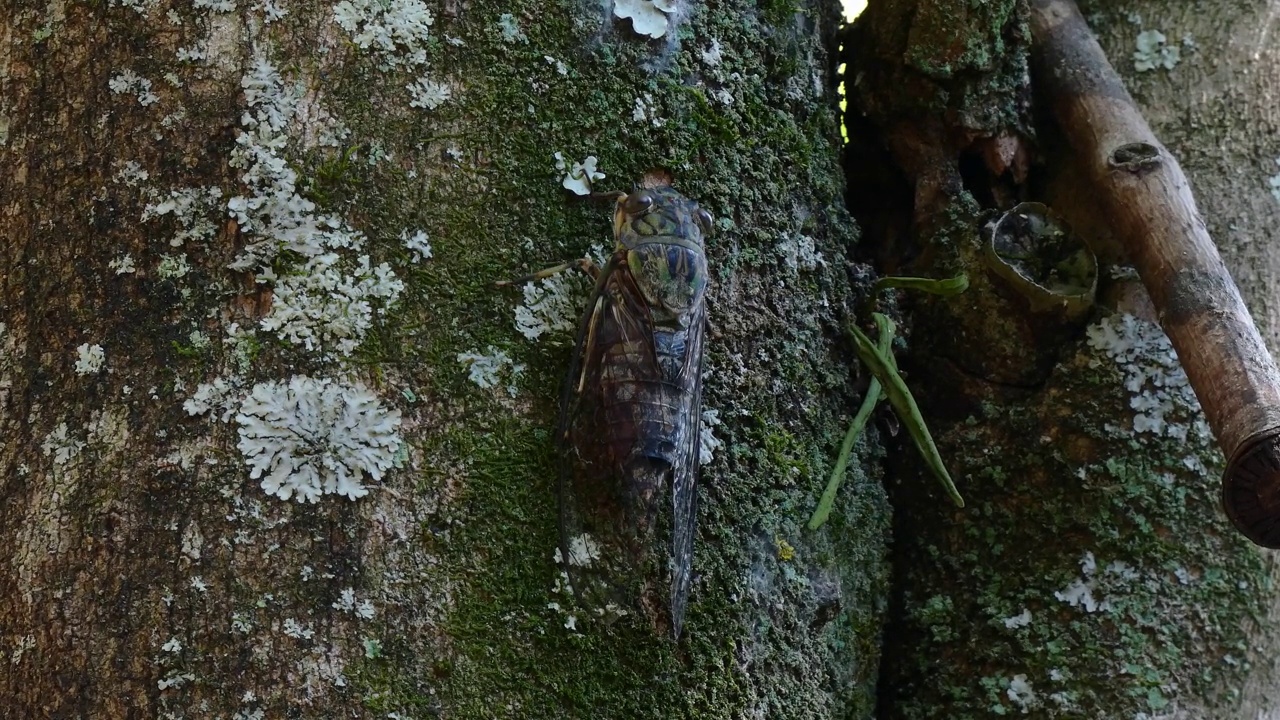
(1148, 202)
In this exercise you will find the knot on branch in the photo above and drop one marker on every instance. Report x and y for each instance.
(1137, 158)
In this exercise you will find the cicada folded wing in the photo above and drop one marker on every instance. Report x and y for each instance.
(630, 417)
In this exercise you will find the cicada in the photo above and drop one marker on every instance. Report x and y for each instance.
(631, 408)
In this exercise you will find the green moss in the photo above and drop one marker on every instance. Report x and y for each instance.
(1113, 542)
(779, 13)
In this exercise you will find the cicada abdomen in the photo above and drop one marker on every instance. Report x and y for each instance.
(631, 410)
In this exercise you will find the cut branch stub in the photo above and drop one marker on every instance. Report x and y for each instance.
(1037, 255)
(1147, 200)
(1250, 491)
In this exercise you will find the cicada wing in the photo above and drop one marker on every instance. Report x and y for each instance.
(684, 473)
(655, 386)
(630, 421)
(596, 541)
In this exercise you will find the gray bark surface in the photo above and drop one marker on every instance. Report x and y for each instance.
(1219, 111)
(143, 573)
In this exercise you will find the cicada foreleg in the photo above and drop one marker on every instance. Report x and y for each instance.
(586, 265)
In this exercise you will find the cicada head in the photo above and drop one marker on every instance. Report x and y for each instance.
(663, 232)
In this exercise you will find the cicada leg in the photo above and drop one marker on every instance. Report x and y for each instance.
(586, 265)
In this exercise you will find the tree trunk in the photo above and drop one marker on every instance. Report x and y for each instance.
(1092, 573)
(1217, 109)
(266, 455)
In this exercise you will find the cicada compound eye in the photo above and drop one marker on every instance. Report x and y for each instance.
(704, 221)
(637, 203)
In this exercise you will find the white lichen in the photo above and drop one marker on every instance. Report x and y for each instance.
(648, 17)
(195, 209)
(131, 174)
(271, 10)
(1274, 183)
(347, 603)
(243, 343)
(328, 298)
(123, 265)
(711, 57)
(1079, 592)
(319, 306)
(172, 267)
(222, 395)
(560, 66)
(175, 678)
(142, 7)
(295, 629)
(60, 446)
(646, 111)
(799, 252)
(1021, 694)
(1085, 592)
(583, 551)
(396, 30)
(218, 6)
(487, 370)
(1154, 51)
(90, 359)
(418, 243)
(708, 443)
(129, 81)
(172, 646)
(197, 52)
(241, 623)
(311, 437)
(550, 306)
(428, 94)
(1160, 395)
(23, 644)
(510, 29)
(578, 176)
(1020, 620)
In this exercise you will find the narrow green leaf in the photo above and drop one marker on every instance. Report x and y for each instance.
(873, 396)
(947, 287)
(905, 406)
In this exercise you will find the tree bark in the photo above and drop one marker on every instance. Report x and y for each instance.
(1093, 573)
(174, 179)
(1217, 110)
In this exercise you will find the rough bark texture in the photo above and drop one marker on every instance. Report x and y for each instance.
(144, 574)
(1093, 573)
(1218, 110)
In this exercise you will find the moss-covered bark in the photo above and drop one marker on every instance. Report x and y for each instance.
(1092, 573)
(146, 574)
